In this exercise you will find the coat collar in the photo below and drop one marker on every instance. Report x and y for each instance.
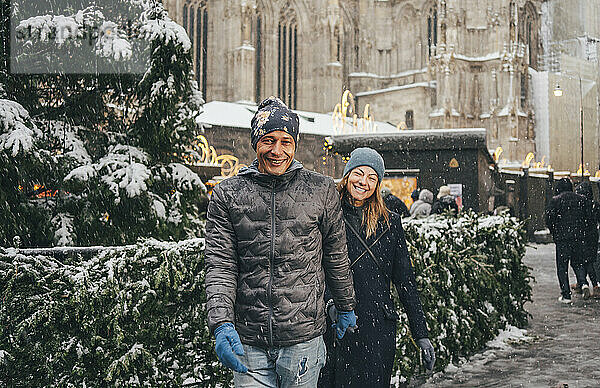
(271, 180)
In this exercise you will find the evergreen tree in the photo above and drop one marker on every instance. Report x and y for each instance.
(107, 148)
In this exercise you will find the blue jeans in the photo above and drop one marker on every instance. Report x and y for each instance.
(292, 366)
(569, 252)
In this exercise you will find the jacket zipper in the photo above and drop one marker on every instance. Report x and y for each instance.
(271, 259)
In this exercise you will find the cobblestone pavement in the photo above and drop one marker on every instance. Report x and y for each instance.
(565, 350)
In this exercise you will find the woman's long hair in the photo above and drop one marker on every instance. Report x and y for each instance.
(373, 210)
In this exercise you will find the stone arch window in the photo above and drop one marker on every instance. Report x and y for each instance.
(432, 30)
(287, 38)
(338, 44)
(524, 89)
(195, 22)
(258, 24)
(409, 119)
(528, 32)
(356, 48)
(405, 55)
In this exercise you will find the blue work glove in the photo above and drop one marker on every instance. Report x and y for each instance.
(428, 352)
(227, 342)
(345, 320)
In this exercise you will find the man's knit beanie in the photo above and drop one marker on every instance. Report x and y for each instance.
(274, 115)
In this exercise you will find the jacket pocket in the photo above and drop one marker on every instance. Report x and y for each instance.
(389, 313)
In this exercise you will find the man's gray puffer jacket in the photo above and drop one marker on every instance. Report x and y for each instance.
(271, 242)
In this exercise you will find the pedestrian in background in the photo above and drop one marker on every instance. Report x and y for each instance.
(379, 256)
(422, 207)
(445, 202)
(394, 203)
(590, 240)
(274, 235)
(415, 195)
(567, 216)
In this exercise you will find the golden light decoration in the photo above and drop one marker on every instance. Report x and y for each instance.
(530, 156)
(497, 154)
(230, 165)
(346, 110)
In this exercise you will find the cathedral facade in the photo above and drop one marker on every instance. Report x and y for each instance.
(418, 64)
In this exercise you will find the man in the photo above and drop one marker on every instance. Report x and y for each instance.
(394, 203)
(590, 239)
(274, 236)
(567, 217)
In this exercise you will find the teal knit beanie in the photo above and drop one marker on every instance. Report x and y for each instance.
(365, 156)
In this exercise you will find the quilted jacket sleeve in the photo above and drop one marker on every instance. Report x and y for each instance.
(335, 253)
(221, 262)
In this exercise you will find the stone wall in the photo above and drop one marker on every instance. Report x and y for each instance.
(392, 104)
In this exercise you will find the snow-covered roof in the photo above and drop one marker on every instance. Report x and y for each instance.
(431, 84)
(397, 75)
(412, 140)
(488, 57)
(239, 115)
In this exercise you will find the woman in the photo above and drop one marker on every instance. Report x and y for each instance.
(365, 357)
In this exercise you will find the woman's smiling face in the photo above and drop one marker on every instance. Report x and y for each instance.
(362, 183)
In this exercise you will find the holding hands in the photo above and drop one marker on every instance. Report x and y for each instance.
(227, 345)
(342, 321)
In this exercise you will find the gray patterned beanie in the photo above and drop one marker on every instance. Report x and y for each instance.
(274, 115)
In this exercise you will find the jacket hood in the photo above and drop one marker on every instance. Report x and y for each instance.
(252, 169)
(585, 189)
(564, 185)
(444, 191)
(276, 181)
(426, 196)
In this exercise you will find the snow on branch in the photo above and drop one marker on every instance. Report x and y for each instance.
(18, 132)
(78, 29)
(166, 31)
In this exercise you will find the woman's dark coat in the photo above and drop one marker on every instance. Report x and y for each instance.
(365, 358)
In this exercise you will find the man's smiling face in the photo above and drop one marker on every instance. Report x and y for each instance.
(275, 152)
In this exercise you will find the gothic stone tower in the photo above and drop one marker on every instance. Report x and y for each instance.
(451, 64)
(427, 64)
(246, 50)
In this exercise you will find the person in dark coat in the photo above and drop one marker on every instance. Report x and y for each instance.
(567, 216)
(365, 357)
(394, 203)
(445, 201)
(590, 239)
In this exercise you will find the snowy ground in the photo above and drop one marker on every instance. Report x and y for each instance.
(560, 346)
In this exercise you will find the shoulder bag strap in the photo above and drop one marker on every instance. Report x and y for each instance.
(366, 246)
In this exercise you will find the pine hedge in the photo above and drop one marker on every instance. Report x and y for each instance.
(134, 315)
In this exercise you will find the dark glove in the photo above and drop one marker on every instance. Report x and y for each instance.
(332, 313)
(345, 320)
(428, 352)
(227, 342)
